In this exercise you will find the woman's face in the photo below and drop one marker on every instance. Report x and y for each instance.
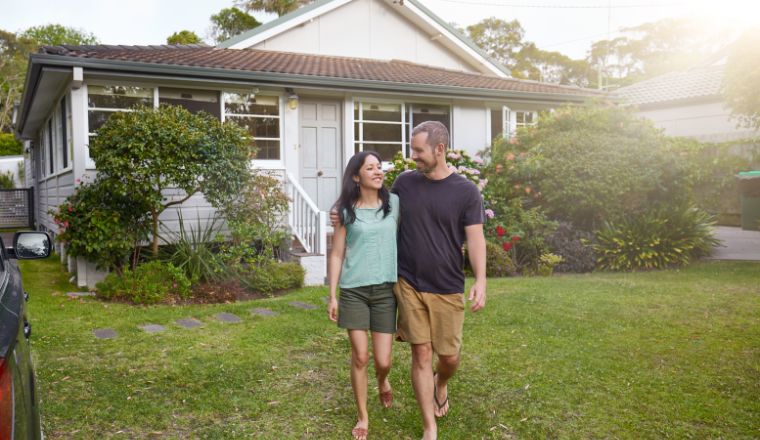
(370, 174)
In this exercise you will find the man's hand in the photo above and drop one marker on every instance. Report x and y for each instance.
(334, 218)
(478, 296)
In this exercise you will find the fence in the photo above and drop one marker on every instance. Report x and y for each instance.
(17, 208)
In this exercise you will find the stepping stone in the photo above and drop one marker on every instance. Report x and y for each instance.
(263, 312)
(105, 333)
(227, 317)
(79, 294)
(189, 323)
(153, 328)
(302, 305)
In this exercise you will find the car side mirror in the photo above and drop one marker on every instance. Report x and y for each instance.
(31, 245)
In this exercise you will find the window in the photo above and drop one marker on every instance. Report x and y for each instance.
(193, 100)
(525, 118)
(419, 113)
(62, 135)
(104, 100)
(51, 150)
(43, 157)
(379, 127)
(260, 117)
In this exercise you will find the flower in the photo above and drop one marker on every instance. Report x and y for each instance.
(499, 168)
(500, 231)
(527, 190)
(507, 246)
(515, 238)
(510, 156)
(489, 213)
(477, 160)
(70, 208)
(453, 168)
(455, 156)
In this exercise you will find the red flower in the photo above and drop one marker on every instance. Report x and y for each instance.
(507, 246)
(500, 231)
(515, 238)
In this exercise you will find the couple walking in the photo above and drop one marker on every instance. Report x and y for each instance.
(403, 250)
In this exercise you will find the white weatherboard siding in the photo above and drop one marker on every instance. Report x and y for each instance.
(708, 122)
(470, 128)
(366, 29)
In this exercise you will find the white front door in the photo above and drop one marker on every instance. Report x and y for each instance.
(319, 153)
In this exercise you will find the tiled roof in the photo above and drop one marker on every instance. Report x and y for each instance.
(698, 82)
(318, 66)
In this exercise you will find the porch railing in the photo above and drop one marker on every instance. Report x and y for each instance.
(309, 224)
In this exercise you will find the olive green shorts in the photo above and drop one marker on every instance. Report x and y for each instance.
(368, 308)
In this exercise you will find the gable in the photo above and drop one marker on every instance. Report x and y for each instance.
(376, 29)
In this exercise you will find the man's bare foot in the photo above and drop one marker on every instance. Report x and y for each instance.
(360, 430)
(430, 435)
(441, 398)
(386, 394)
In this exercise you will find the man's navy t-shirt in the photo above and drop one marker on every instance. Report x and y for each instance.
(434, 214)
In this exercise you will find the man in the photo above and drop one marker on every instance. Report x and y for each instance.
(440, 210)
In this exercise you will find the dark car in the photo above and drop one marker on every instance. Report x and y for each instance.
(19, 411)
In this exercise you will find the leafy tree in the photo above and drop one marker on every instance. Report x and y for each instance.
(230, 22)
(279, 7)
(501, 40)
(14, 57)
(184, 37)
(741, 86)
(9, 146)
(148, 151)
(56, 34)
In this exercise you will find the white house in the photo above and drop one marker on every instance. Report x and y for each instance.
(316, 85)
(687, 103)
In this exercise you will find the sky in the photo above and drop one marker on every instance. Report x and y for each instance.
(567, 26)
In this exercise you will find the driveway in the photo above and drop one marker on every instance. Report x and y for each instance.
(738, 244)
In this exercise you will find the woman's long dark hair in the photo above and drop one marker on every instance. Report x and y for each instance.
(349, 193)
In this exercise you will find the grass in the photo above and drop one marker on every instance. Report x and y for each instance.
(670, 354)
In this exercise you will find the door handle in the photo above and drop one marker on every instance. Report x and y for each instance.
(319, 173)
(27, 330)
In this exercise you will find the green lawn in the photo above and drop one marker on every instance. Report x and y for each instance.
(671, 354)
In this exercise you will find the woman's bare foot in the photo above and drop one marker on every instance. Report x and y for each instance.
(360, 430)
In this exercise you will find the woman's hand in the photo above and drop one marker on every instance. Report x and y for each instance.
(332, 309)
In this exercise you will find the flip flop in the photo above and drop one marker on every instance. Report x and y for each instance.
(386, 398)
(435, 396)
(359, 432)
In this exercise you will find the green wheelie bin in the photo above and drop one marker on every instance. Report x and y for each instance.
(749, 190)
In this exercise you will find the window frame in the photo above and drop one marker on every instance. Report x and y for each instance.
(262, 163)
(358, 141)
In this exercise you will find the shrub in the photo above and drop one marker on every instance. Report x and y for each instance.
(546, 264)
(498, 261)
(102, 225)
(594, 164)
(574, 246)
(193, 249)
(9, 145)
(7, 181)
(149, 283)
(273, 276)
(656, 239)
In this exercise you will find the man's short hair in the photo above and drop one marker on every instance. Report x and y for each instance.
(436, 133)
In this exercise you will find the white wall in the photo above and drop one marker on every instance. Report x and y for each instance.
(706, 122)
(365, 29)
(470, 128)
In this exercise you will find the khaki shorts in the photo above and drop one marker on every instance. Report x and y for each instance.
(430, 317)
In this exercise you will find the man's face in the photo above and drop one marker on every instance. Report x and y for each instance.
(423, 154)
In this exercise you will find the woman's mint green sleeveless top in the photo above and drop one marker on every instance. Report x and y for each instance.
(371, 247)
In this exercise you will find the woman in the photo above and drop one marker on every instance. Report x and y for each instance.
(363, 263)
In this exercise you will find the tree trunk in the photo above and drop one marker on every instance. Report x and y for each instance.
(154, 243)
